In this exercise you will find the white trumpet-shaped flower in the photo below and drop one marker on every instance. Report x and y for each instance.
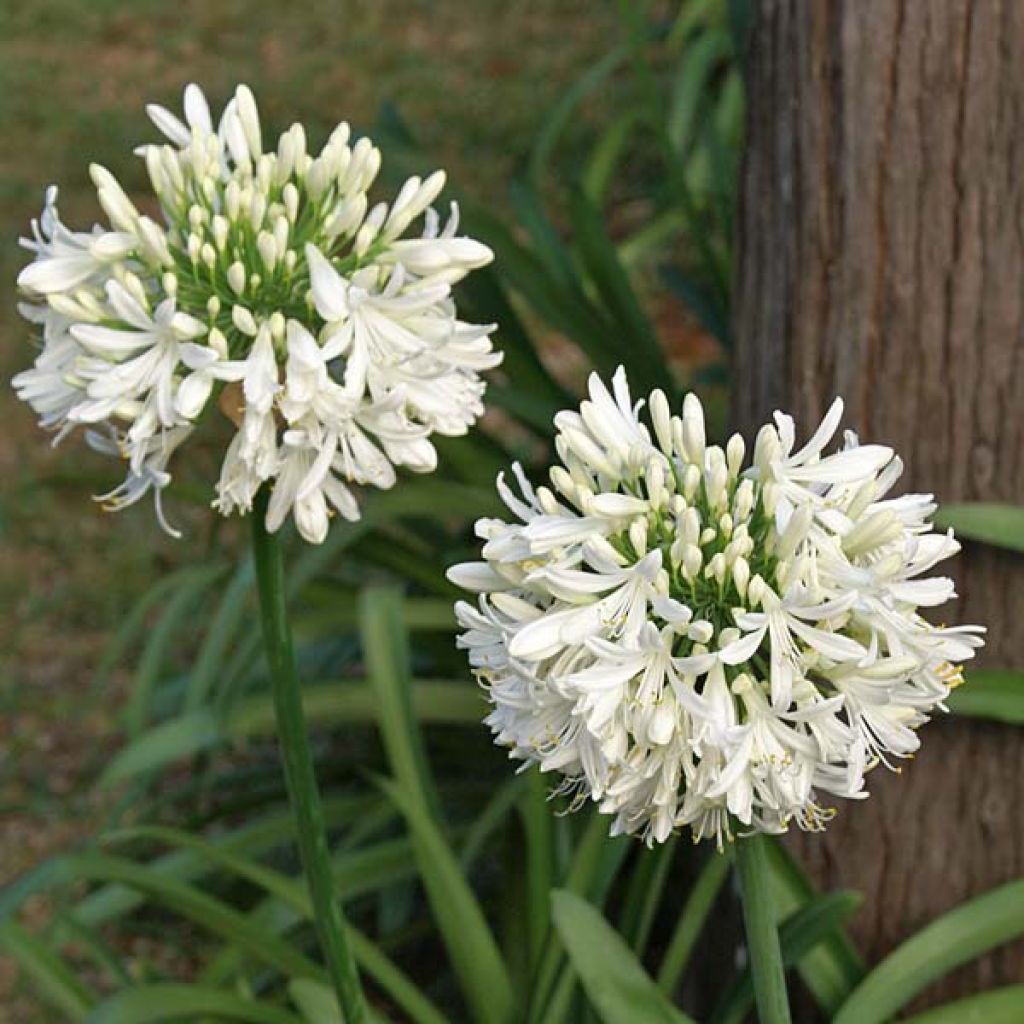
(269, 288)
(689, 642)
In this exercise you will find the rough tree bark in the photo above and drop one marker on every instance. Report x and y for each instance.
(881, 257)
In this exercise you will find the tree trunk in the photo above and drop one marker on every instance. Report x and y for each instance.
(881, 258)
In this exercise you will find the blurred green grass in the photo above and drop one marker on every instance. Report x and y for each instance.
(472, 80)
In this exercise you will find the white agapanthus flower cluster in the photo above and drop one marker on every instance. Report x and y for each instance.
(266, 284)
(689, 642)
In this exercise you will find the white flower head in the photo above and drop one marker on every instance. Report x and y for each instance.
(272, 289)
(689, 642)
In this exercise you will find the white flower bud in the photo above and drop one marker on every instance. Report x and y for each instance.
(741, 576)
(257, 210)
(213, 305)
(547, 501)
(795, 532)
(236, 277)
(661, 420)
(655, 480)
(134, 286)
(743, 503)
(216, 340)
(277, 326)
(154, 242)
(693, 559)
(249, 118)
(281, 229)
(878, 529)
(734, 452)
(244, 320)
(716, 568)
(700, 631)
(220, 231)
(233, 199)
(268, 250)
(265, 173)
(693, 429)
(691, 482)
(290, 195)
(638, 536)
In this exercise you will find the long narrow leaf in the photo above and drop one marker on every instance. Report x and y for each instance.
(168, 1001)
(52, 978)
(832, 969)
(691, 920)
(155, 652)
(470, 943)
(616, 985)
(159, 746)
(295, 895)
(1000, 1006)
(990, 693)
(386, 649)
(616, 292)
(1001, 525)
(798, 935)
(953, 939)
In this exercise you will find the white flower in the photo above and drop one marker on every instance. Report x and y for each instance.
(272, 289)
(688, 643)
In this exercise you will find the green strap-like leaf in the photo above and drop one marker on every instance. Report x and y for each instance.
(637, 336)
(152, 660)
(150, 1004)
(990, 693)
(691, 920)
(1000, 1006)
(616, 985)
(386, 649)
(1001, 525)
(200, 908)
(644, 892)
(595, 862)
(294, 894)
(433, 701)
(832, 968)
(953, 939)
(470, 943)
(227, 621)
(51, 977)
(761, 930)
(163, 744)
(798, 935)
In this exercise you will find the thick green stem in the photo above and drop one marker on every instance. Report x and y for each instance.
(298, 770)
(762, 933)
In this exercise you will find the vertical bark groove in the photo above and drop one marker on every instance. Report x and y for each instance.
(881, 257)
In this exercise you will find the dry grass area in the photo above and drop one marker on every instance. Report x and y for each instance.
(472, 80)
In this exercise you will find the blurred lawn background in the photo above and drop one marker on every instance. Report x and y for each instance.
(473, 80)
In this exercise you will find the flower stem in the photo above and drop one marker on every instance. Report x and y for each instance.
(300, 777)
(762, 934)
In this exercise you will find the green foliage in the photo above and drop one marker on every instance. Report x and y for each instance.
(469, 899)
(1000, 525)
(616, 985)
(953, 939)
(991, 693)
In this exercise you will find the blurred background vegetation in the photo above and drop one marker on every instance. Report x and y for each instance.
(542, 116)
(595, 146)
